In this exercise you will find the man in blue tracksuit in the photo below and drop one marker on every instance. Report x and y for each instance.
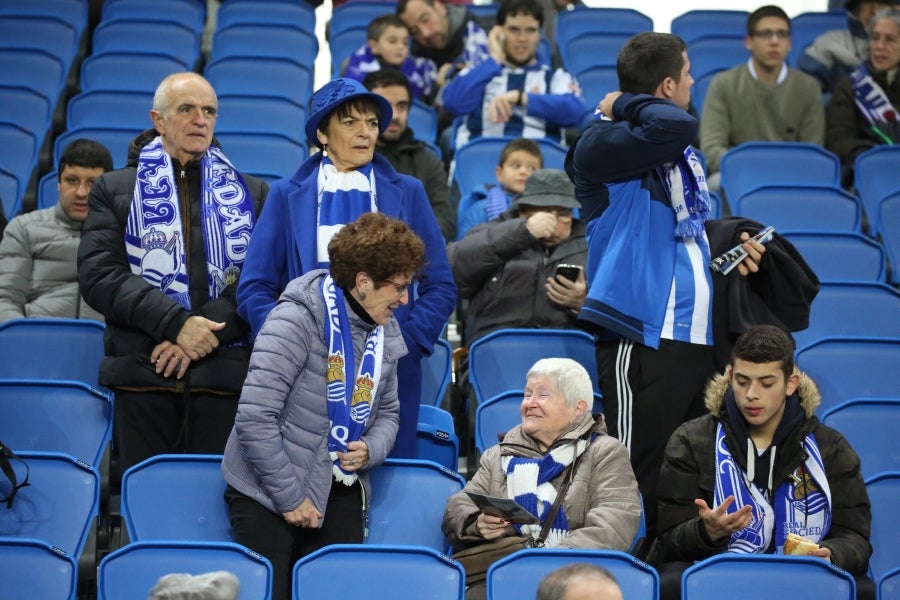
(650, 289)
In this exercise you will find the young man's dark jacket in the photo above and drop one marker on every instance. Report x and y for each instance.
(138, 315)
(688, 472)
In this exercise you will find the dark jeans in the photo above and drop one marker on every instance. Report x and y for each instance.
(268, 534)
(151, 423)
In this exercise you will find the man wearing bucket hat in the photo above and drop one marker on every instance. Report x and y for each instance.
(507, 267)
(333, 188)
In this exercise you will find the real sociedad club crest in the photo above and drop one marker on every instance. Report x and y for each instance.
(161, 260)
(361, 402)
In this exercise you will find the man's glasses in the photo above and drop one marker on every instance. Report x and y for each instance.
(400, 287)
(768, 34)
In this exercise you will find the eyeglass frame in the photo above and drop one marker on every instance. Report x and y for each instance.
(767, 34)
(400, 288)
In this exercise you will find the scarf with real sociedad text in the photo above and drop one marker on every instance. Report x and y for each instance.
(801, 504)
(155, 227)
(349, 406)
(871, 100)
(689, 194)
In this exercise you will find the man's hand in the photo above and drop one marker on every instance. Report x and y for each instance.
(304, 515)
(170, 358)
(497, 45)
(821, 552)
(541, 225)
(567, 293)
(500, 108)
(491, 528)
(197, 336)
(720, 524)
(754, 251)
(606, 105)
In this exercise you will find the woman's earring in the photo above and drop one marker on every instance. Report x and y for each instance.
(362, 295)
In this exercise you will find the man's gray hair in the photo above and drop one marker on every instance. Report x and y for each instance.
(891, 12)
(555, 584)
(162, 95)
(572, 379)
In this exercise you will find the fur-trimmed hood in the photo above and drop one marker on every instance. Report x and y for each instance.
(714, 397)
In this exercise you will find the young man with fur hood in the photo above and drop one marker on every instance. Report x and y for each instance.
(760, 466)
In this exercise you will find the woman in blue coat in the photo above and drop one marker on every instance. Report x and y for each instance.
(333, 188)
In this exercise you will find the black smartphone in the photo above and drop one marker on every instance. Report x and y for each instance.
(570, 272)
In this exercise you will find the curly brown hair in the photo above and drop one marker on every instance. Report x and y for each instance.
(376, 245)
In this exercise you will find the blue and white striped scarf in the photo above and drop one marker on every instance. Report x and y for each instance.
(528, 483)
(871, 100)
(802, 503)
(688, 194)
(496, 202)
(342, 198)
(348, 406)
(154, 231)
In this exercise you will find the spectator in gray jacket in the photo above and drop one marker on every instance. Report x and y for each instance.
(318, 411)
(38, 274)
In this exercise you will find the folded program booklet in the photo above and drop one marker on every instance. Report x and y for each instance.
(505, 508)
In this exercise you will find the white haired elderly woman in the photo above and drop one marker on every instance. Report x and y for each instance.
(601, 506)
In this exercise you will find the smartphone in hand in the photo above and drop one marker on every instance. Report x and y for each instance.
(570, 272)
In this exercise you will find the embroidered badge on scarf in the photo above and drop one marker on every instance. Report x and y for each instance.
(348, 405)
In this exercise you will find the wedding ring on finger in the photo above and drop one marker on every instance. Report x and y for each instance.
(352, 462)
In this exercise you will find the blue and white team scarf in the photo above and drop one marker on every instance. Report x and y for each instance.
(348, 406)
(343, 197)
(871, 100)
(528, 483)
(802, 503)
(154, 231)
(689, 194)
(496, 202)
(475, 50)
(421, 72)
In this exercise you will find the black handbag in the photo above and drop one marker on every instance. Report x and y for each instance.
(5, 455)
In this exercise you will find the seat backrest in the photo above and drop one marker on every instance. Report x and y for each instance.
(436, 373)
(73, 12)
(117, 140)
(34, 69)
(36, 348)
(9, 194)
(741, 574)
(34, 569)
(499, 361)
(176, 497)
(128, 71)
(714, 53)
(18, 150)
(396, 570)
(131, 571)
(46, 33)
(423, 120)
(516, 577)
(104, 108)
(624, 21)
(261, 114)
(263, 39)
(60, 504)
(889, 585)
(840, 255)
(695, 24)
(435, 439)
(698, 92)
(148, 35)
(870, 425)
(26, 108)
(342, 45)
(261, 75)
(235, 12)
(752, 164)
(875, 176)
(807, 26)
(799, 207)
(404, 487)
(192, 14)
(47, 194)
(596, 82)
(262, 152)
(883, 490)
(590, 50)
(477, 159)
(38, 416)
(852, 367)
(889, 224)
(353, 15)
(852, 309)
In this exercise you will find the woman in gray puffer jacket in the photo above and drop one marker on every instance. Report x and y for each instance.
(319, 407)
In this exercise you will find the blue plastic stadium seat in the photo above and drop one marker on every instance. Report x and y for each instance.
(870, 425)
